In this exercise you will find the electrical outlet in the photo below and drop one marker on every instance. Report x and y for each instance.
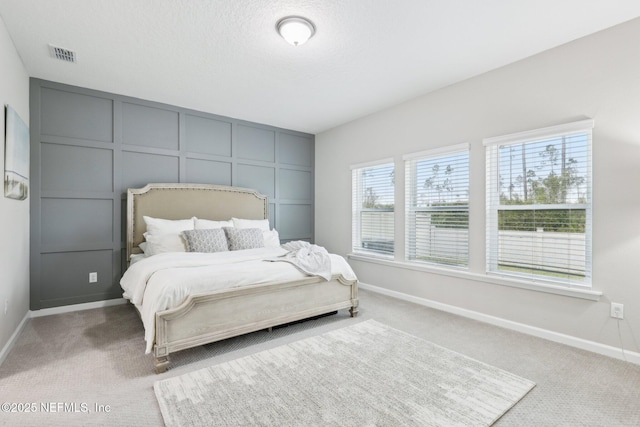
(93, 277)
(617, 310)
(6, 306)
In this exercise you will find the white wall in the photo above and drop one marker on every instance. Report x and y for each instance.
(596, 77)
(14, 214)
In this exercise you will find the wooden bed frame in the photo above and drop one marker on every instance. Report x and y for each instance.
(211, 317)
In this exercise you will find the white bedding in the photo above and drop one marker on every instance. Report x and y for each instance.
(164, 281)
(311, 259)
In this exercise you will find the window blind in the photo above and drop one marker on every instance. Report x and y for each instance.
(539, 204)
(373, 229)
(437, 206)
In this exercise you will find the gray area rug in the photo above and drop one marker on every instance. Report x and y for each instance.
(363, 375)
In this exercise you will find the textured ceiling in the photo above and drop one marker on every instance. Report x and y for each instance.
(225, 57)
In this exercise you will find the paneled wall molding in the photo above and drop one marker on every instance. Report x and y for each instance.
(88, 147)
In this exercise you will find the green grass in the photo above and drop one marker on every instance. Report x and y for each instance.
(547, 273)
(442, 261)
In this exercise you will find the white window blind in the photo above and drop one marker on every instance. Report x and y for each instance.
(373, 208)
(437, 206)
(539, 204)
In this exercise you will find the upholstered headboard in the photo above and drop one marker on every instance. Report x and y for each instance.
(182, 201)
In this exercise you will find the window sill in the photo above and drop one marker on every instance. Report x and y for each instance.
(588, 294)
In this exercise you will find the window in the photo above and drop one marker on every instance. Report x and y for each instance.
(539, 204)
(437, 206)
(373, 208)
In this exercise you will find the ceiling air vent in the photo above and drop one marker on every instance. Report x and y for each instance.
(62, 54)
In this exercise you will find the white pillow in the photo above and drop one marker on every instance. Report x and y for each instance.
(262, 224)
(135, 258)
(167, 226)
(271, 238)
(206, 224)
(161, 243)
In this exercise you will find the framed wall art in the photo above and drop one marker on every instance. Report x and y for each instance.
(16, 156)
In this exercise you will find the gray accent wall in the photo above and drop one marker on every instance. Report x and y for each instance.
(88, 147)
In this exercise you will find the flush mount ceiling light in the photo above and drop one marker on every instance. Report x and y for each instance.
(296, 29)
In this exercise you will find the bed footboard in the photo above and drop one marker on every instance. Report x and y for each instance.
(212, 317)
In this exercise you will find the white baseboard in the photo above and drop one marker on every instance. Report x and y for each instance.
(76, 307)
(12, 340)
(605, 350)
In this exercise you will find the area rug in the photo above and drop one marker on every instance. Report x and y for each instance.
(367, 374)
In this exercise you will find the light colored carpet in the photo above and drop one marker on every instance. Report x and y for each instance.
(97, 357)
(364, 374)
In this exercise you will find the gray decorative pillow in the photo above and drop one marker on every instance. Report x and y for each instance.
(206, 240)
(244, 238)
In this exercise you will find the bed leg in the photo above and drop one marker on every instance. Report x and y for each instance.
(354, 310)
(161, 363)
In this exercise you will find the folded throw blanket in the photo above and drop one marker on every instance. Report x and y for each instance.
(311, 259)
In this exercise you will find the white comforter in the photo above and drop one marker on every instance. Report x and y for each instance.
(164, 281)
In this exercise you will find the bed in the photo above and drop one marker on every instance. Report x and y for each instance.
(213, 315)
